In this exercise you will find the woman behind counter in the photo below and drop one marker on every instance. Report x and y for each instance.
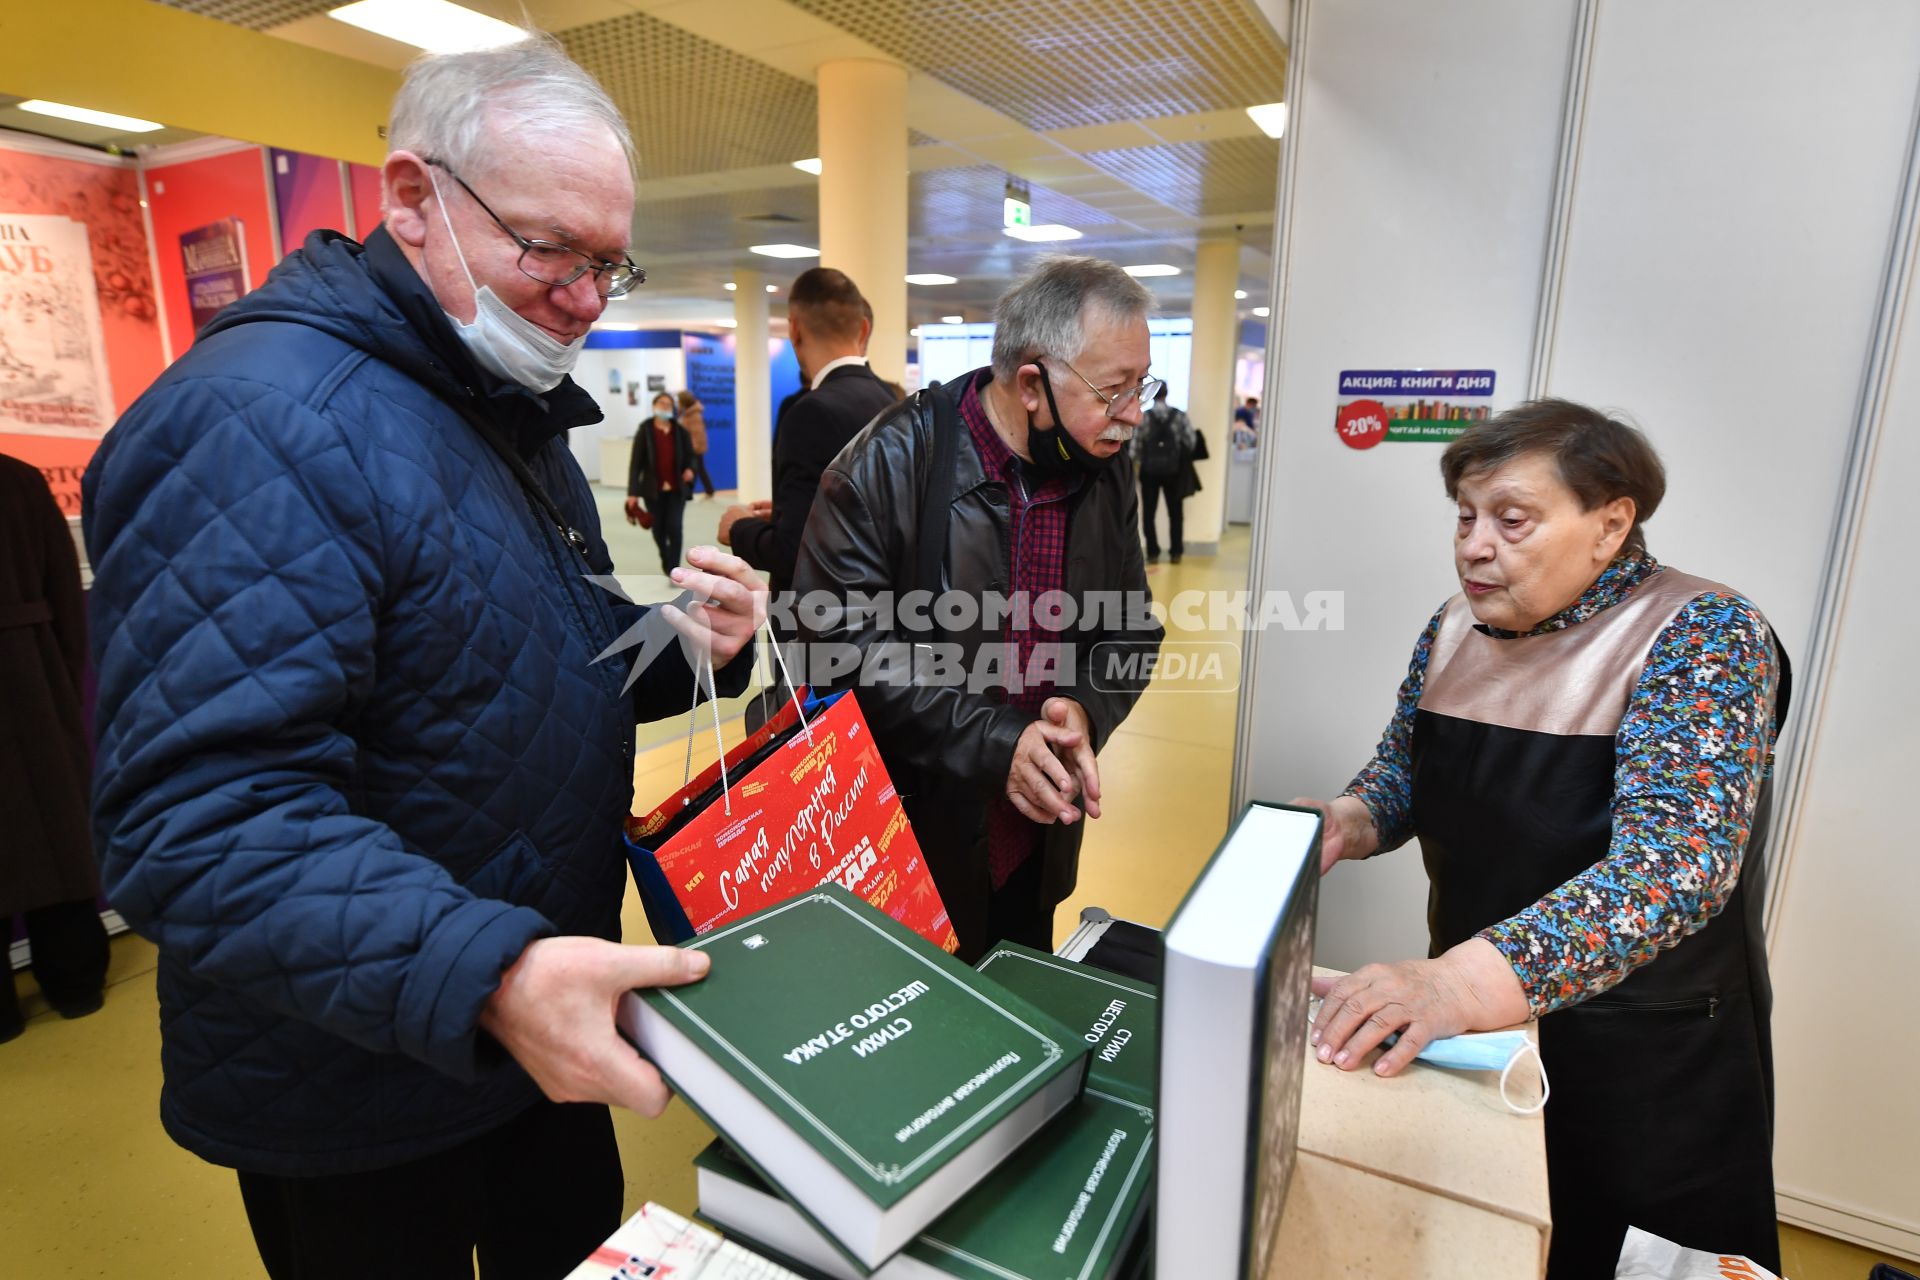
(1581, 746)
(660, 479)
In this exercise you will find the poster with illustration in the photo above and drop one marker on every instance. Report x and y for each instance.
(1410, 406)
(53, 360)
(216, 260)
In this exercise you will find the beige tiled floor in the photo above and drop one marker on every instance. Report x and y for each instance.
(89, 1184)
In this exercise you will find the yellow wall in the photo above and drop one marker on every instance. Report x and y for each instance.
(143, 59)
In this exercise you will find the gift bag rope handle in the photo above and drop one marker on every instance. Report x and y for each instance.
(713, 699)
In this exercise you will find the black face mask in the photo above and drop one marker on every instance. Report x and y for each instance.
(1054, 451)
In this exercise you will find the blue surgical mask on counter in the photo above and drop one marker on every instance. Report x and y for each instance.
(1490, 1051)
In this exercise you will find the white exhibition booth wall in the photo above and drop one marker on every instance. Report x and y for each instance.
(602, 450)
(1700, 214)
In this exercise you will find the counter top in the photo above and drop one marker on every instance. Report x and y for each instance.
(1427, 1174)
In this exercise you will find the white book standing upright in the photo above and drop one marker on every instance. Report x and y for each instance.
(1234, 994)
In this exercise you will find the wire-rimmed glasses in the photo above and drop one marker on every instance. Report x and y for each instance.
(1143, 391)
(555, 264)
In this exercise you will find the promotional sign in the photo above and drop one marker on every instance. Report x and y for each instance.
(820, 809)
(1410, 405)
(53, 361)
(710, 366)
(216, 261)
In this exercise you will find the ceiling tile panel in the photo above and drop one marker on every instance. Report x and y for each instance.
(716, 129)
(695, 107)
(257, 14)
(1058, 66)
(1235, 175)
(967, 203)
(1104, 137)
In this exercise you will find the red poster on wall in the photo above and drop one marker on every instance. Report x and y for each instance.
(53, 360)
(97, 199)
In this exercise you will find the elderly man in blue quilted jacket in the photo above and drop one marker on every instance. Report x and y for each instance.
(360, 774)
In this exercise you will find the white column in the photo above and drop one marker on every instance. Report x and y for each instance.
(752, 387)
(1216, 325)
(863, 194)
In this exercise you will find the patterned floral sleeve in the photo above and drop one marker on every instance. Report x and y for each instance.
(1692, 751)
(1385, 785)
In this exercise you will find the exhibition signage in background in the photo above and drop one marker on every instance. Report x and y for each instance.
(1410, 405)
(53, 361)
(710, 367)
(215, 257)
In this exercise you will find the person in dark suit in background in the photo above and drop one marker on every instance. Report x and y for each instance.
(47, 872)
(660, 479)
(828, 322)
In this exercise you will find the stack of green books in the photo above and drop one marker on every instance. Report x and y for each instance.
(887, 1112)
(1070, 1203)
(865, 1073)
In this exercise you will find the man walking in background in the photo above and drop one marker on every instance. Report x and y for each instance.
(1161, 449)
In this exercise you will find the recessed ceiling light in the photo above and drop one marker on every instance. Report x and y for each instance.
(1153, 269)
(728, 323)
(434, 25)
(1239, 295)
(1271, 117)
(730, 286)
(931, 277)
(785, 250)
(82, 115)
(773, 288)
(953, 319)
(914, 332)
(1045, 231)
(808, 166)
(1263, 311)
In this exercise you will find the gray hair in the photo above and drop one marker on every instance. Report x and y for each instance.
(448, 100)
(1043, 315)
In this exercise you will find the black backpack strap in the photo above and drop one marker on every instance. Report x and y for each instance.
(936, 505)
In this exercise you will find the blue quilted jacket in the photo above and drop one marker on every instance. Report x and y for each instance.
(354, 750)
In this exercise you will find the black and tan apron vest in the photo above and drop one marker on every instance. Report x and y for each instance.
(1661, 1114)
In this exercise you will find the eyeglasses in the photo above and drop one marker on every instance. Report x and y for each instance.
(1143, 390)
(554, 264)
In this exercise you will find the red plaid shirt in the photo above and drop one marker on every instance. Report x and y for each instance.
(1036, 564)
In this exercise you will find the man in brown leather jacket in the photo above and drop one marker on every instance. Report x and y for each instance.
(1004, 494)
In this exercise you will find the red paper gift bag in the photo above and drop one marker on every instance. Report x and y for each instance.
(820, 808)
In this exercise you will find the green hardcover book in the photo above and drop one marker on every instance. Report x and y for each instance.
(1117, 1017)
(863, 1071)
(1067, 1206)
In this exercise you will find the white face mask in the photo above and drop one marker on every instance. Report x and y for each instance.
(502, 341)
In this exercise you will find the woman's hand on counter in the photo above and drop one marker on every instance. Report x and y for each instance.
(1469, 988)
(1348, 831)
